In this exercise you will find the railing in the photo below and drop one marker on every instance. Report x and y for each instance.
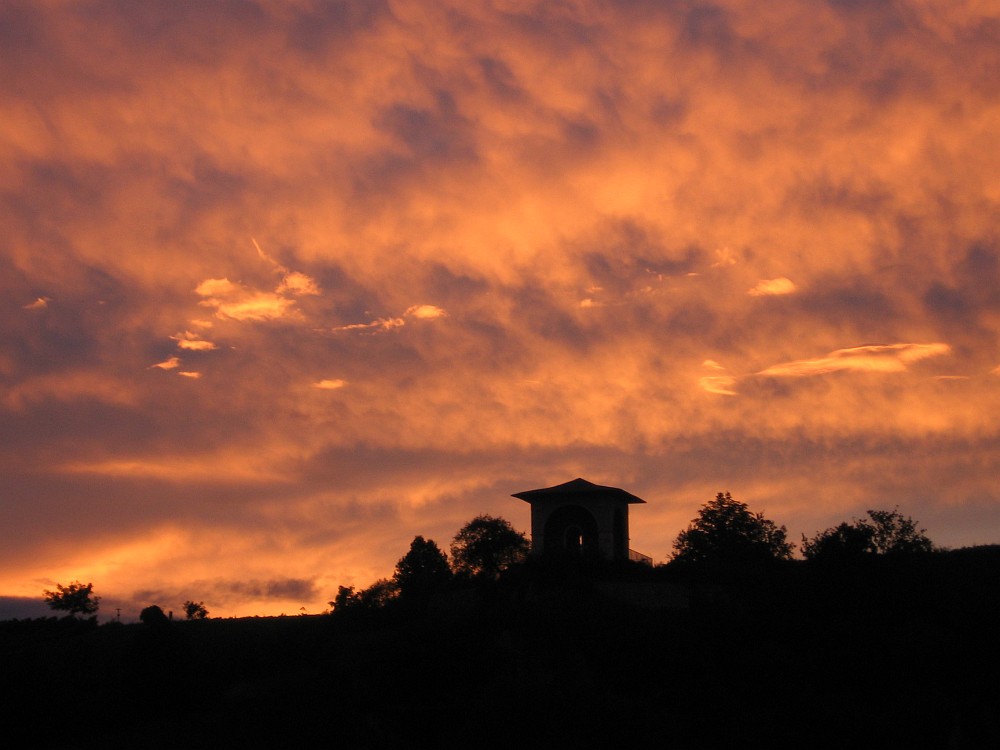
(640, 558)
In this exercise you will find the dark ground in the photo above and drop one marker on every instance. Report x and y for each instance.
(885, 653)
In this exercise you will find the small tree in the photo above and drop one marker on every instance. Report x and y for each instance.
(346, 597)
(153, 615)
(75, 598)
(422, 570)
(195, 610)
(726, 531)
(884, 532)
(487, 545)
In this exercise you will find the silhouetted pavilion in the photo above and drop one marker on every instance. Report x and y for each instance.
(579, 518)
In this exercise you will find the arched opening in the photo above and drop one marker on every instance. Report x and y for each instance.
(573, 540)
(571, 530)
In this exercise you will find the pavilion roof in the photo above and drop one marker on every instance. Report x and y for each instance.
(577, 488)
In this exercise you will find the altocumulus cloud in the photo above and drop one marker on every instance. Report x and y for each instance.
(638, 242)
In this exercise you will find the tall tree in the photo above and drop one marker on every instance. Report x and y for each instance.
(485, 546)
(726, 531)
(422, 570)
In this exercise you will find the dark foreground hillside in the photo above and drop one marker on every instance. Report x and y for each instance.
(883, 654)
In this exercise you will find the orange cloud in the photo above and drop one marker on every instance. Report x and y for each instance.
(330, 384)
(169, 364)
(238, 302)
(425, 312)
(593, 234)
(719, 383)
(192, 342)
(379, 324)
(772, 287)
(886, 358)
(298, 284)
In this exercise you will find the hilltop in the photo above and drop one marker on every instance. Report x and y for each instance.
(891, 652)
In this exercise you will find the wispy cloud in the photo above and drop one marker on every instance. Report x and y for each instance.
(878, 358)
(39, 304)
(171, 363)
(381, 325)
(720, 382)
(376, 326)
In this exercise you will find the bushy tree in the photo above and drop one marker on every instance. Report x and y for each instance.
(195, 610)
(726, 531)
(844, 541)
(376, 596)
(153, 615)
(894, 534)
(75, 598)
(379, 594)
(485, 546)
(884, 532)
(345, 598)
(422, 570)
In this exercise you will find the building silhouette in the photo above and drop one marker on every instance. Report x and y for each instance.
(580, 518)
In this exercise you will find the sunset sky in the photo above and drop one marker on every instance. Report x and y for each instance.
(285, 284)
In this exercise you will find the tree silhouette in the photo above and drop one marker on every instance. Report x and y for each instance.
(487, 545)
(376, 596)
(379, 594)
(75, 598)
(153, 615)
(195, 610)
(726, 531)
(422, 570)
(346, 597)
(842, 542)
(884, 532)
(895, 534)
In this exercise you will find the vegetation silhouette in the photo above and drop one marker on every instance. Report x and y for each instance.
(486, 546)
(896, 650)
(153, 615)
(422, 572)
(75, 598)
(195, 610)
(884, 532)
(726, 532)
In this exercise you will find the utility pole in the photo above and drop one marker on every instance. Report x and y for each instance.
(118, 614)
